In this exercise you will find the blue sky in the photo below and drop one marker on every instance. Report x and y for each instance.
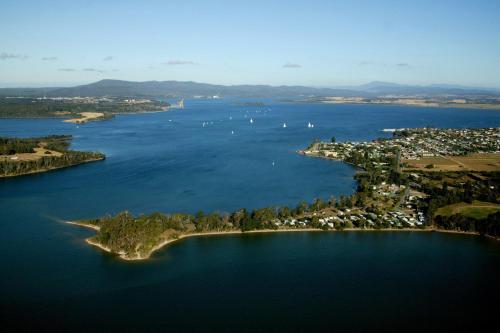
(315, 43)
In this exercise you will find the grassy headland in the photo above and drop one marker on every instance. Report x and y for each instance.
(21, 156)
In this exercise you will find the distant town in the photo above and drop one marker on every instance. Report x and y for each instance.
(394, 184)
(417, 143)
(450, 101)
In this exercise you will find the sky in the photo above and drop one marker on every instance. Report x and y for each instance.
(313, 43)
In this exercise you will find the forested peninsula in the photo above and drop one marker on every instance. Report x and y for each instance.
(137, 237)
(394, 193)
(22, 156)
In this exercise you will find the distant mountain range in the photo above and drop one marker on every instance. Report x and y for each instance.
(191, 89)
(388, 88)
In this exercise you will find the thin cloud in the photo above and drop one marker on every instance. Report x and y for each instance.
(179, 62)
(8, 56)
(366, 63)
(108, 58)
(382, 64)
(50, 59)
(93, 70)
(291, 65)
(88, 69)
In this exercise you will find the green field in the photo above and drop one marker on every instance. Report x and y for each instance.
(476, 209)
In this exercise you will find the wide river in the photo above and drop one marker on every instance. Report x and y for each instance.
(211, 157)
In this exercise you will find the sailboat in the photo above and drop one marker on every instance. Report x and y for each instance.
(309, 125)
(251, 120)
(284, 125)
(232, 132)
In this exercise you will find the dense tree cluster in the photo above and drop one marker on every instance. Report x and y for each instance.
(489, 226)
(11, 146)
(126, 233)
(481, 189)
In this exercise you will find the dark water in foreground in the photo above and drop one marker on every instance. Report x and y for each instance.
(301, 281)
(284, 282)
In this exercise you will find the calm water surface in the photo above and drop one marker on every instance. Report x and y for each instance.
(170, 162)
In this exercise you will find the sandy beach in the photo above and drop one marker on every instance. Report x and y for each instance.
(86, 116)
(84, 225)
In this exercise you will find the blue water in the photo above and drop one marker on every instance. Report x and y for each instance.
(169, 162)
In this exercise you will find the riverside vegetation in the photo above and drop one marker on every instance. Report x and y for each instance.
(20, 156)
(388, 197)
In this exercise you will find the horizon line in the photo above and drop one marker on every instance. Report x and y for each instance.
(47, 85)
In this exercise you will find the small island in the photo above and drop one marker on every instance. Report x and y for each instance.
(252, 104)
(22, 156)
(393, 194)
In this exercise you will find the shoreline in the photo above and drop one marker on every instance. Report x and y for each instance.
(166, 242)
(99, 245)
(436, 106)
(94, 227)
(140, 112)
(55, 168)
(307, 153)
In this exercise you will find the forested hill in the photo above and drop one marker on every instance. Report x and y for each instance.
(191, 89)
(174, 89)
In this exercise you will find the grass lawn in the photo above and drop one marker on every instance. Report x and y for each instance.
(473, 162)
(476, 209)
